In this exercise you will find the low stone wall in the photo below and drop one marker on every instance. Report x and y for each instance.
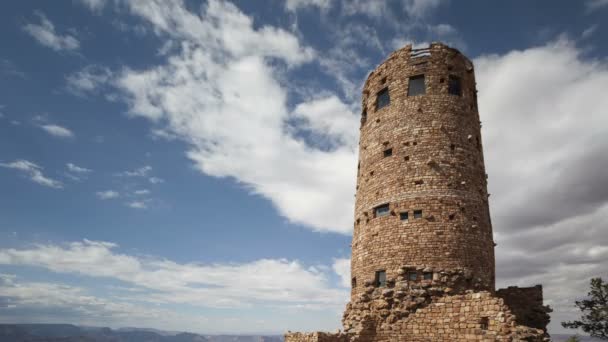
(444, 308)
(527, 305)
(316, 337)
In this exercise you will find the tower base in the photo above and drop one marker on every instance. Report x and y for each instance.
(442, 309)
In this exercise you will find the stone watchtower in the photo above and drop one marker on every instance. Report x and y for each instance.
(422, 198)
(422, 262)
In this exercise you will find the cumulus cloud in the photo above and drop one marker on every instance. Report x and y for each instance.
(232, 111)
(108, 194)
(34, 172)
(342, 269)
(267, 281)
(45, 34)
(57, 131)
(545, 130)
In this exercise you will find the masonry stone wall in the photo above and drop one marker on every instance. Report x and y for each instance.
(527, 305)
(436, 166)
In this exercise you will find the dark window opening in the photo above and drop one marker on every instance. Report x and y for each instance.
(419, 182)
(406, 158)
(354, 282)
(364, 115)
(416, 86)
(383, 80)
(382, 99)
(381, 278)
(451, 216)
(415, 143)
(452, 147)
(417, 213)
(483, 323)
(404, 216)
(388, 152)
(412, 276)
(454, 86)
(427, 275)
(381, 210)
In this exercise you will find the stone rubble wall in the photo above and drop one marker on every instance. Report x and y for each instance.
(443, 309)
(527, 305)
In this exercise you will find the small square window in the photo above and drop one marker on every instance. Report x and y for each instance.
(412, 276)
(454, 86)
(381, 210)
(383, 99)
(427, 275)
(416, 86)
(388, 152)
(417, 213)
(484, 322)
(381, 278)
(404, 216)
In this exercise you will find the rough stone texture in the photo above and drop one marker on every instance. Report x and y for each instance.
(527, 304)
(436, 166)
(424, 153)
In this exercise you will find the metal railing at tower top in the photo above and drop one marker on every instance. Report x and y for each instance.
(418, 53)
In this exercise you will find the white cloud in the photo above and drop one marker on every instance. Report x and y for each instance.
(45, 34)
(34, 172)
(108, 194)
(140, 172)
(545, 129)
(593, 5)
(47, 302)
(137, 205)
(142, 192)
(342, 269)
(294, 5)
(156, 180)
(94, 5)
(88, 80)
(77, 169)
(265, 281)
(232, 111)
(57, 131)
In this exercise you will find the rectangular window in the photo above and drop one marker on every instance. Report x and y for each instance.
(412, 276)
(483, 323)
(354, 282)
(388, 152)
(381, 278)
(364, 115)
(417, 213)
(416, 86)
(381, 210)
(382, 99)
(404, 216)
(427, 275)
(454, 86)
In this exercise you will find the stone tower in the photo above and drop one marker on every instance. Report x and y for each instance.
(422, 263)
(421, 196)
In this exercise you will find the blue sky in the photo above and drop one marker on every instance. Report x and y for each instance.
(191, 166)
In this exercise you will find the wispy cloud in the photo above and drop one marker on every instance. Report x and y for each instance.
(108, 194)
(34, 173)
(142, 192)
(57, 131)
(45, 34)
(137, 205)
(88, 80)
(593, 5)
(140, 172)
(271, 281)
(77, 169)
